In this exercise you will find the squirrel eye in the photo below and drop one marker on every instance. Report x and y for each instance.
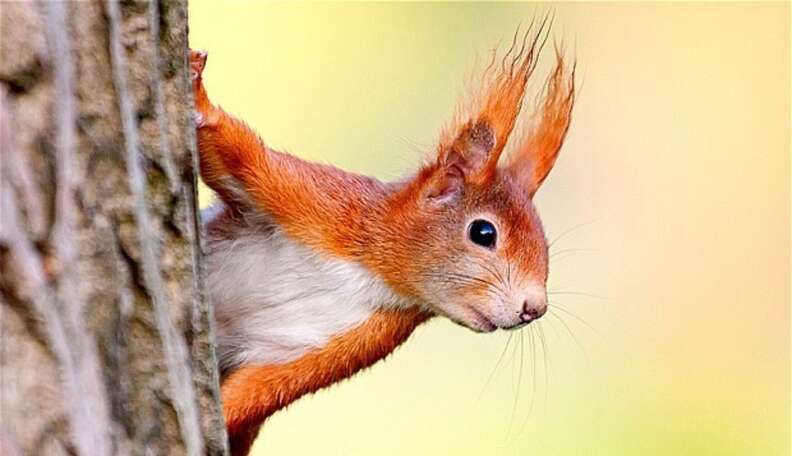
(483, 233)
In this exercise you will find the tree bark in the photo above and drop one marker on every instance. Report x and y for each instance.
(107, 338)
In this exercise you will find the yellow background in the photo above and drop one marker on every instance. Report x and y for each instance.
(677, 163)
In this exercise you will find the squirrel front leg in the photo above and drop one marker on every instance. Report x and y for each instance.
(319, 205)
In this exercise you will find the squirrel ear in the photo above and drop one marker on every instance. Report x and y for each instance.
(537, 152)
(467, 159)
(473, 152)
(444, 183)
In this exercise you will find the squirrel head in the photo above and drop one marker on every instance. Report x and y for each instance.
(471, 245)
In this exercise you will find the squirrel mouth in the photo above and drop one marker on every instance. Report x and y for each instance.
(484, 324)
(517, 326)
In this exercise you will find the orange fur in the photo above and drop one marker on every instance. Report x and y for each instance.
(310, 199)
(394, 230)
(537, 152)
(496, 100)
(253, 393)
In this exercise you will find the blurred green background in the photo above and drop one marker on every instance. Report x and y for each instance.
(675, 176)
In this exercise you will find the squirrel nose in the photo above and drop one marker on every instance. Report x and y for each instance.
(532, 311)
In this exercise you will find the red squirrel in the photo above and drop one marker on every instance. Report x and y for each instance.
(316, 273)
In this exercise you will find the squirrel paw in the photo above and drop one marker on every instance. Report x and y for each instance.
(199, 119)
(206, 114)
(197, 63)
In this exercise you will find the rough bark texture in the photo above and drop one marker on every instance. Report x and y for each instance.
(106, 343)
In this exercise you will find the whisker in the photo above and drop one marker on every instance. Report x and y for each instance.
(497, 364)
(541, 337)
(558, 306)
(494, 271)
(457, 278)
(562, 258)
(578, 293)
(519, 386)
(533, 368)
(545, 361)
(492, 290)
(514, 384)
(568, 231)
(472, 279)
(571, 333)
(559, 252)
(558, 333)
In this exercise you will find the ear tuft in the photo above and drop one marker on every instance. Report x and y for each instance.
(536, 153)
(493, 107)
(471, 146)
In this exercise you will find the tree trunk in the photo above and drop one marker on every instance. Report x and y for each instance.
(107, 338)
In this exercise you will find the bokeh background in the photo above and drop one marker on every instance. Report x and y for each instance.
(674, 180)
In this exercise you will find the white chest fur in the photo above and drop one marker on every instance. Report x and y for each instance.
(275, 300)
